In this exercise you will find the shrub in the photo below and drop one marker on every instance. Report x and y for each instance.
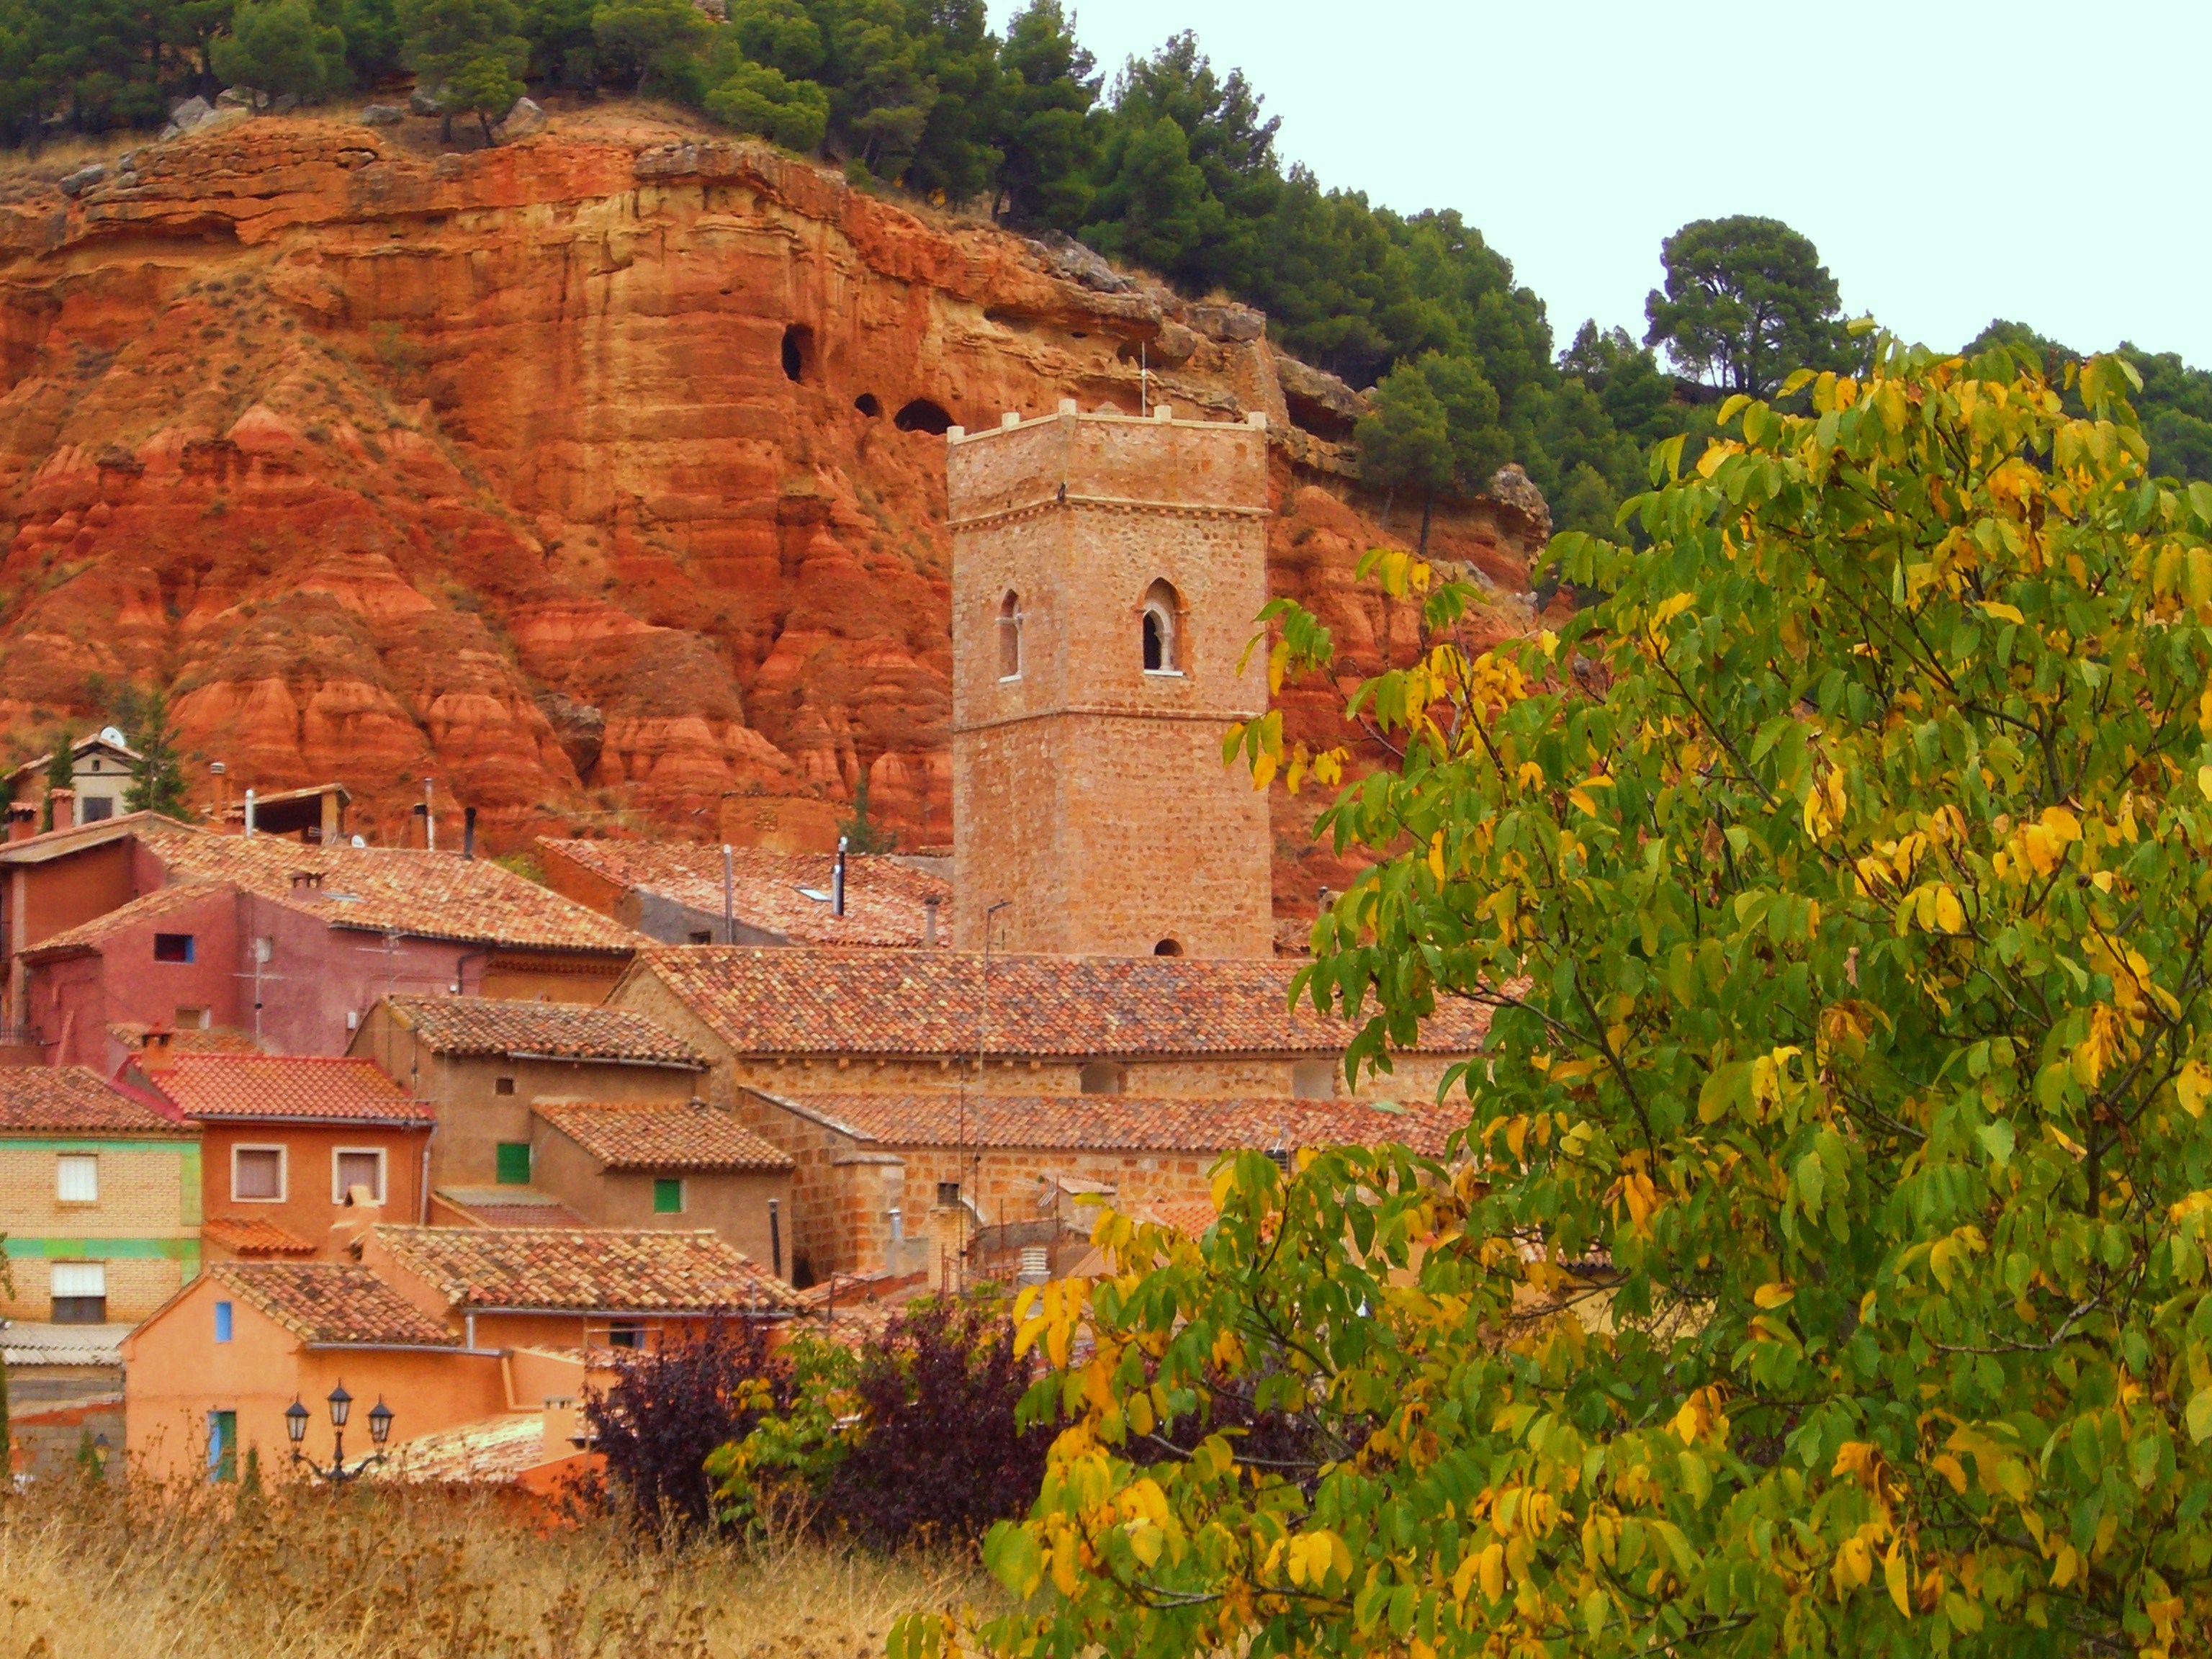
(937, 1453)
(670, 1408)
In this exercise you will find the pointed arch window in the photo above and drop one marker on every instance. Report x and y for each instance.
(1163, 630)
(1010, 637)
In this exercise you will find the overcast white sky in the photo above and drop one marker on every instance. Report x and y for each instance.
(1953, 161)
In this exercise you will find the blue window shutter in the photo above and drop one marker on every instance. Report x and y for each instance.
(222, 1321)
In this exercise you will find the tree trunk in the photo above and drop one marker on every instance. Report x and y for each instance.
(485, 121)
(1389, 496)
(445, 126)
(1428, 506)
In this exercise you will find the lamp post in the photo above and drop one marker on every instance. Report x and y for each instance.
(341, 1402)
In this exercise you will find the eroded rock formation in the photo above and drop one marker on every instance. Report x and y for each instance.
(592, 477)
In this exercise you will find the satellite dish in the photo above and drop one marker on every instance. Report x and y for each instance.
(109, 734)
(358, 841)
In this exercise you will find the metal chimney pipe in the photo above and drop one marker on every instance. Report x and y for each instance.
(837, 882)
(249, 812)
(468, 832)
(730, 903)
(429, 817)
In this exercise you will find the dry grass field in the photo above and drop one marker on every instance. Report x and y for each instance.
(89, 1574)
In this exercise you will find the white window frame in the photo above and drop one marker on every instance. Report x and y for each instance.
(382, 1171)
(65, 1161)
(55, 1270)
(284, 1170)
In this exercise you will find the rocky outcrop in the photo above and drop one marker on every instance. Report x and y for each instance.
(568, 472)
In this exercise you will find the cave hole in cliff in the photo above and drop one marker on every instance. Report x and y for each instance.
(869, 405)
(923, 416)
(798, 352)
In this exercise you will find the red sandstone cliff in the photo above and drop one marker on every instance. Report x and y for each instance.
(487, 467)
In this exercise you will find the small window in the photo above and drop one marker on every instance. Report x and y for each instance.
(513, 1163)
(625, 1335)
(948, 1195)
(503, 1086)
(357, 1166)
(699, 938)
(668, 1196)
(1010, 638)
(79, 1290)
(1313, 1079)
(222, 1321)
(257, 1174)
(222, 1445)
(1162, 647)
(77, 1178)
(191, 1019)
(97, 807)
(173, 947)
(1104, 1076)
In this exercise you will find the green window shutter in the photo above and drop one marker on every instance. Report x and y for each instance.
(667, 1195)
(222, 1445)
(513, 1164)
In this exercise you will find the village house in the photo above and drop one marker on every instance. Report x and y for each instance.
(482, 1064)
(682, 893)
(907, 1086)
(209, 1376)
(299, 1152)
(687, 1166)
(571, 1287)
(141, 920)
(99, 781)
(893, 1184)
(99, 1198)
(459, 1333)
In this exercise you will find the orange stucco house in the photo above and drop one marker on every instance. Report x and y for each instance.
(459, 1331)
(299, 1152)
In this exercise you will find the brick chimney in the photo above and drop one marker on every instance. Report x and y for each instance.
(158, 1052)
(64, 802)
(307, 881)
(22, 820)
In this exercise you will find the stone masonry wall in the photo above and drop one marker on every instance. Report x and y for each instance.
(1087, 792)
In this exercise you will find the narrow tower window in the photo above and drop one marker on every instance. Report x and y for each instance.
(1010, 638)
(1162, 655)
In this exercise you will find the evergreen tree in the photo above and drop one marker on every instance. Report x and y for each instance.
(955, 158)
(564, 51)
(1046, 134)
(468, 52)
(861, 833)
(157, 783)
(281, 47)
(645, 38)
(780, 34)
(755, 98)
(1747, 301)
(1152, 204)
(370, 29)
(61, 771)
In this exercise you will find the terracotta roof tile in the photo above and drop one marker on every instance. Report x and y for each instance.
(269, 1087)
(1184, 1123)
(492, 1453)
(507, 1206)
(885, 900)
(689, 1137)
(772, 1000)
(582, 1270)
(409, 890)
(565, 1031)
(253, 1237)
(76, 1100)
(330, 1302)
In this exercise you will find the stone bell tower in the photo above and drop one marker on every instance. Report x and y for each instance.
(1106, 573)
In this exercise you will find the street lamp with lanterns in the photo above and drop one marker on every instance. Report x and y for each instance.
(341, 1402)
